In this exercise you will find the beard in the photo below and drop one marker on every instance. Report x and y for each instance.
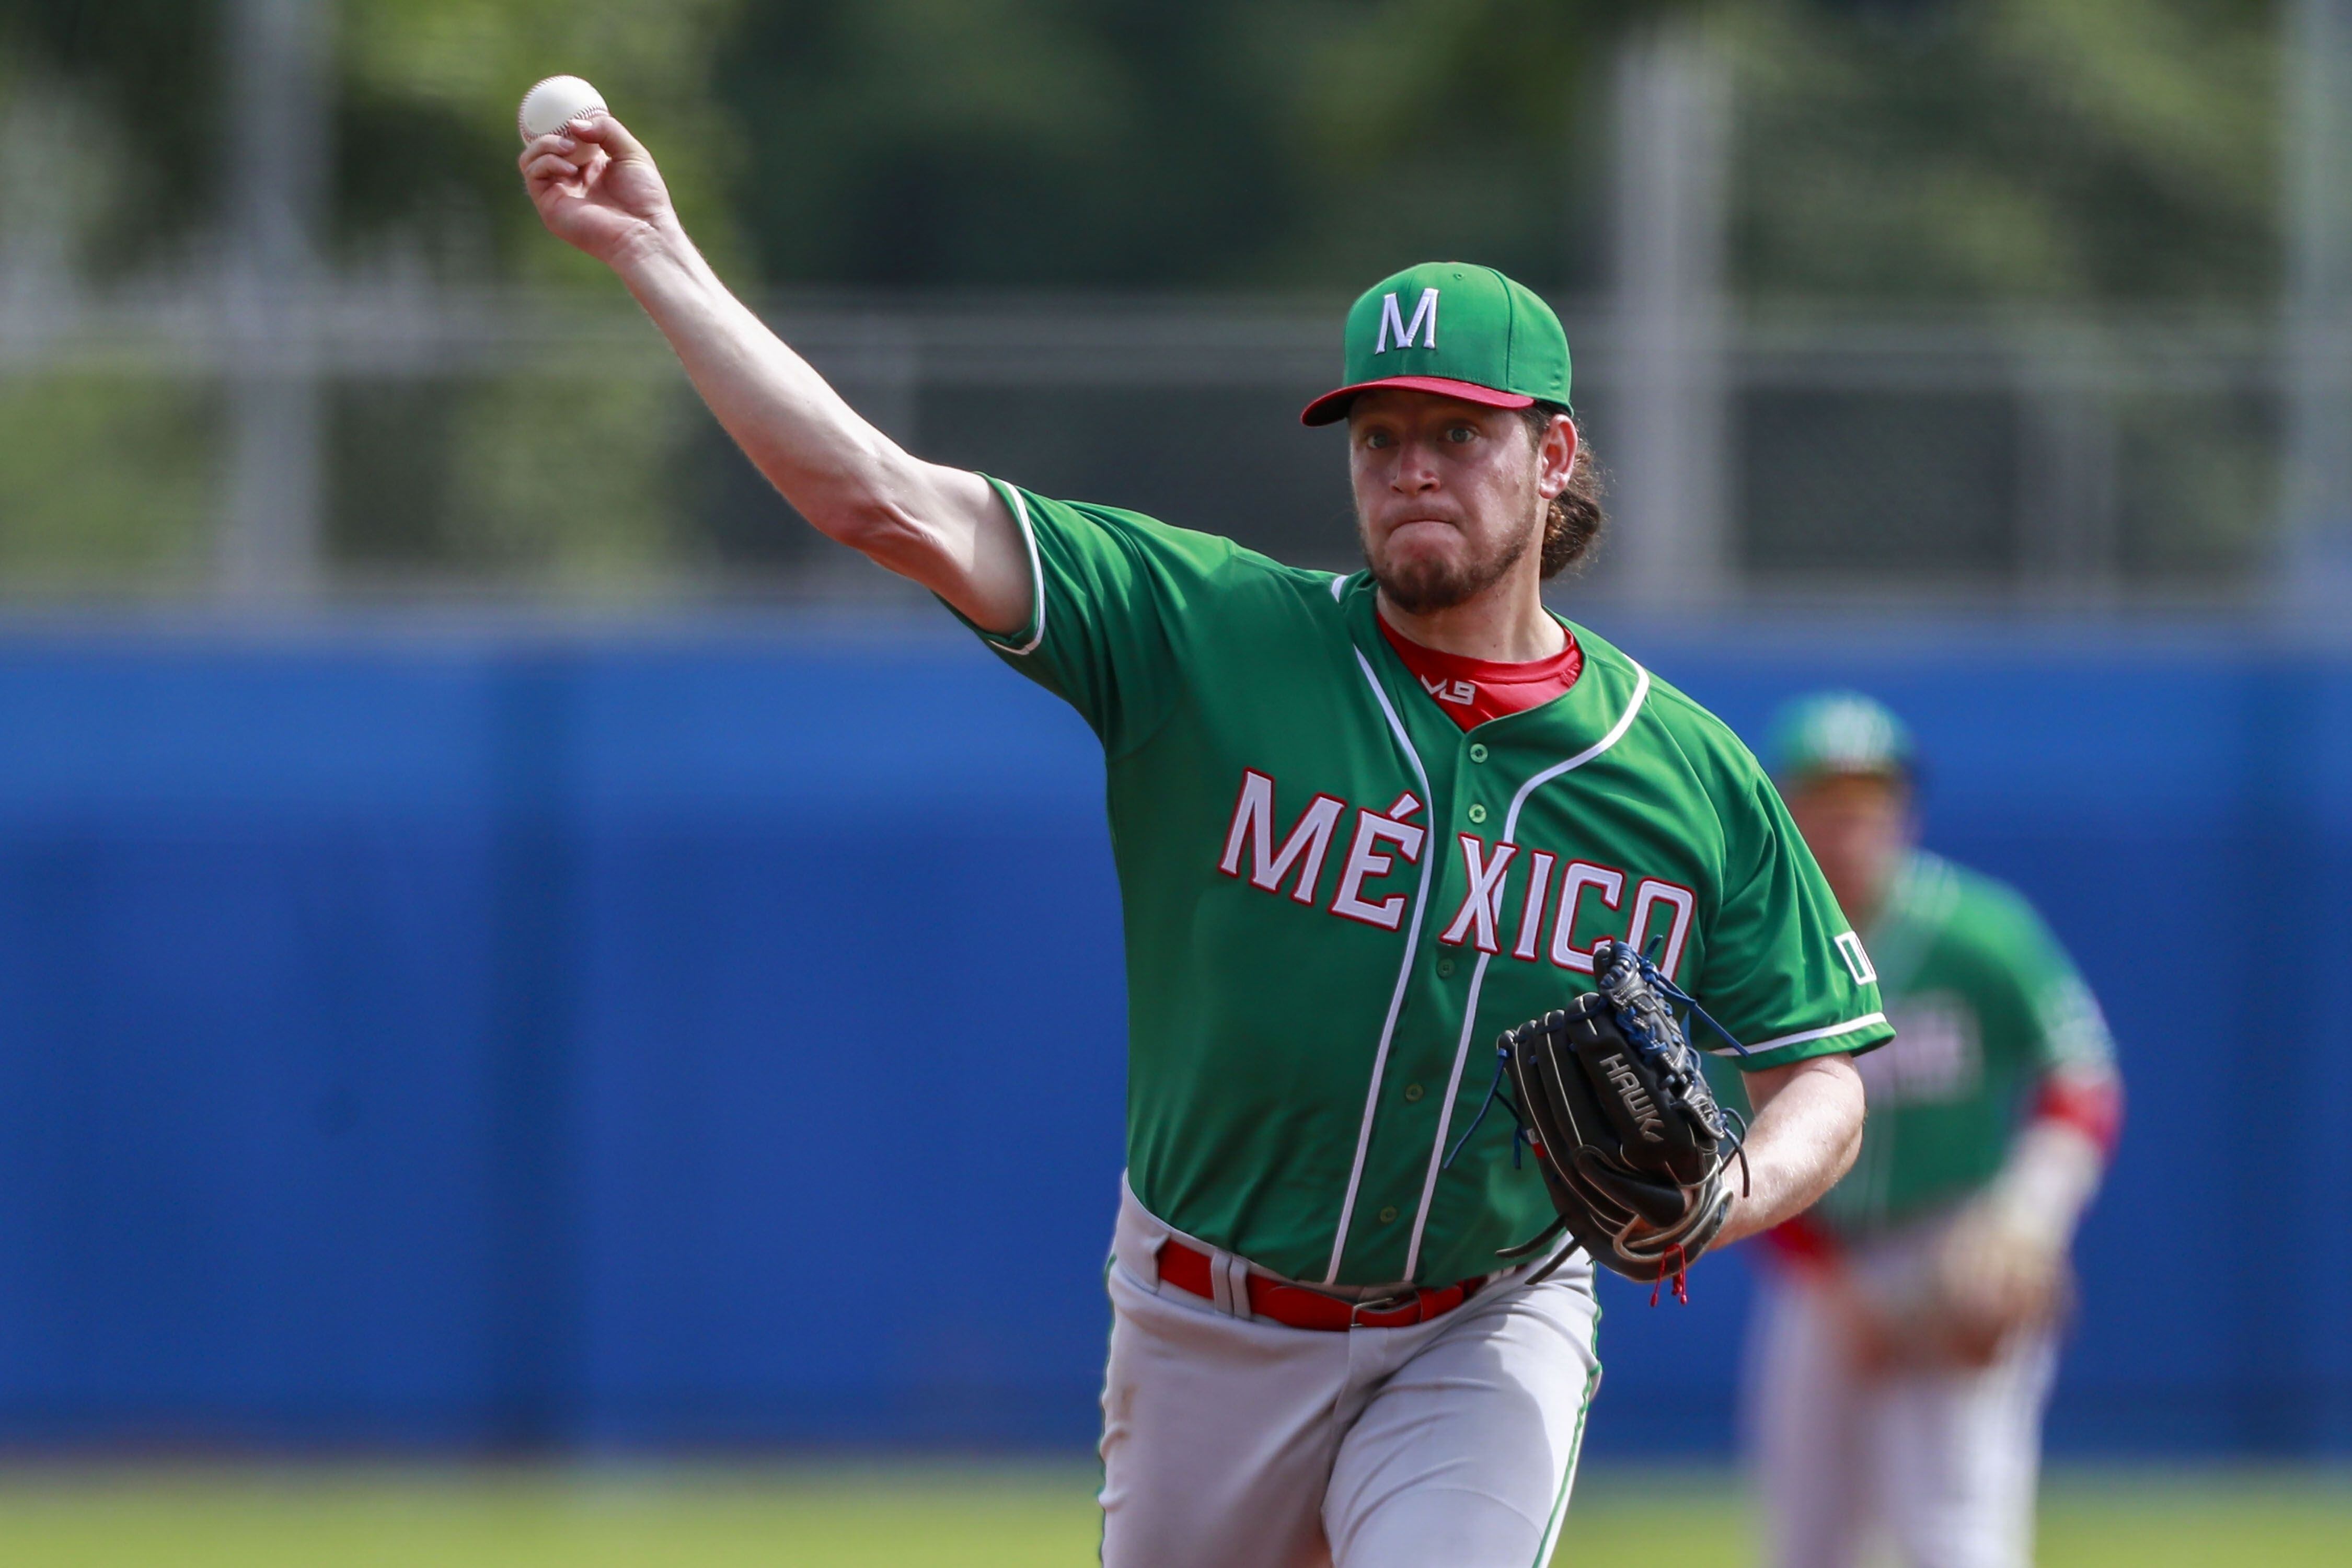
(1420, 587)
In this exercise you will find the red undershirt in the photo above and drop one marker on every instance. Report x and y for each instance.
(1473, 690)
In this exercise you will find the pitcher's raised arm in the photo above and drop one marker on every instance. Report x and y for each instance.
(597, 188)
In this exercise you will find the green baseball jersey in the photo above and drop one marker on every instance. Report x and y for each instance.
(1335, 898)
(1985, 1002)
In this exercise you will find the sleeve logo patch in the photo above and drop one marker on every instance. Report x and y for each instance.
(1857, 962)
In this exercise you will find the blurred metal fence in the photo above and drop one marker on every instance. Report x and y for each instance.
(270, 429)
(538, 444)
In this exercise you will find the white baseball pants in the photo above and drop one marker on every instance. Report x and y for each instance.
(1942, 1461)
(1231, 1442)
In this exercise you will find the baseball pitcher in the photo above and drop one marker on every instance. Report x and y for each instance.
(1905, 1343)
(1424, 889)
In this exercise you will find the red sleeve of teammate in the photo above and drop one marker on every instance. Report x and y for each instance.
(2089, 1100)
(1800, 1244)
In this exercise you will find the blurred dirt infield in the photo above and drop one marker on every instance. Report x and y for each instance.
(949, 1513)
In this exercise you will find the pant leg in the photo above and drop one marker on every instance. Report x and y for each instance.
(1808, 1431)
(1963, 1451)
(1465, 1453)
(1218, 1436)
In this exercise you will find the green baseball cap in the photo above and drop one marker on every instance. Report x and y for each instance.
(1456, 330)
(1837, 732)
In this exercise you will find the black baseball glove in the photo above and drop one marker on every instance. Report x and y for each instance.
(1631, 1142)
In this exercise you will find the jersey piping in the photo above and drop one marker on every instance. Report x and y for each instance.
(1478, 975)
(1805, 1037)
(1012, 497)
(1396, 999)
(1550, 1542)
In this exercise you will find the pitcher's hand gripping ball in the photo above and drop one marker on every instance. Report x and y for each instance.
(554, 104)
(1631, 1142)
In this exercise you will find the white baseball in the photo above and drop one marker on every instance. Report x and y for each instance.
(554, 104)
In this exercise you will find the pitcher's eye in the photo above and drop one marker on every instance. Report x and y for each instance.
(1377, 439)
(1462, 435)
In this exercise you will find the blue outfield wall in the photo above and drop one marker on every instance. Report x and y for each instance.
(511, 1040)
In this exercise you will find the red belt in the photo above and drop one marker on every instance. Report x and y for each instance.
(1295, 1306)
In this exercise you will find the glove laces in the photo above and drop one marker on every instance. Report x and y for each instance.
(1627, 969)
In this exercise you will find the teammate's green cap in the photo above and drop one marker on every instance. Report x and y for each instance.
(1837, 732)
(1452, 329)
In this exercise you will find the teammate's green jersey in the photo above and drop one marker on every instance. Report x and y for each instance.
(1985, 1002)
(1335, 898)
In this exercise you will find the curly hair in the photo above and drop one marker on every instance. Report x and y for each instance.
(1573, 525)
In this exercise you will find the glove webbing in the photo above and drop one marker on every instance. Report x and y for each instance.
(1636, 990)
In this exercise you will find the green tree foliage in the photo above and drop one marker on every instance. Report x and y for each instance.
(103, 478)
(150, 70)
(425, 138)
(423, 97)
(1905, 151)
(1945, 152)
(1160, 142)
(1933, 149)
(935, 143)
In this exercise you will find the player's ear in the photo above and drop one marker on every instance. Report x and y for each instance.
(1556, 456)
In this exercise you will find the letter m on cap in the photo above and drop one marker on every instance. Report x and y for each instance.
(1395, 330)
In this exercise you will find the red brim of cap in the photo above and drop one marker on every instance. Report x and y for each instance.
(1332, 406)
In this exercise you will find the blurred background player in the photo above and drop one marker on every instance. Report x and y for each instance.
(1906, 1334)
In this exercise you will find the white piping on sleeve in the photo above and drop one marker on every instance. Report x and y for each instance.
(1337, 583)
(1807, 1037)
(1037, 576)
(1478, 975)
(1404, 976)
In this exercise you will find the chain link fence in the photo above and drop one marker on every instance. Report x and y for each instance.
(537, 446)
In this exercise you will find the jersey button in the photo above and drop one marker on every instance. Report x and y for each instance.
(1411, 1092)
(1477, 751)
(1445, 969)
(1477, 813)
(1388, 1215)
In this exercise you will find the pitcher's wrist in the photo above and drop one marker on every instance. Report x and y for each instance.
(655, 251)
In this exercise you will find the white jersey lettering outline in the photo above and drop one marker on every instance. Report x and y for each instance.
(1607, 881)
(1251, 855)
(1481, 899)
(1540, 865)
(1252, 827)
(1654, 892)
(1366, 862)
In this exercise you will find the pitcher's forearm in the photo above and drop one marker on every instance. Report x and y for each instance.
(1807, 1131)
(827, 460)
(938, 526)
(597, 188)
